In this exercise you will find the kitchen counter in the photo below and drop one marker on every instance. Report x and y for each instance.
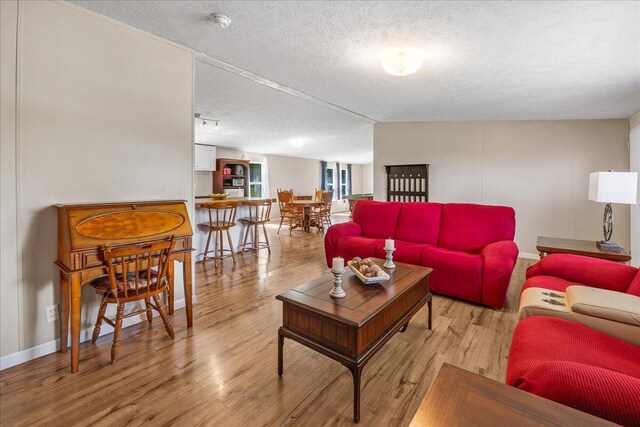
(201, 232)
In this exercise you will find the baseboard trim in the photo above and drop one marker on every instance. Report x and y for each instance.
(527, 255)
(43, 349)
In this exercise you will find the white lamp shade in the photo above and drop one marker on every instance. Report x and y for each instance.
(613, 187)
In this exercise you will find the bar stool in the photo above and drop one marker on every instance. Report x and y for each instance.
(259, 213)
(222, 216)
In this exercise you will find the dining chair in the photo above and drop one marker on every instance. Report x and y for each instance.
(259, 215)
(322, 215)
(222, 216)
(137, 272)
(288, 213)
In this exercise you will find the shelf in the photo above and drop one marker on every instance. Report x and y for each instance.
(234, 186)
(233, 176)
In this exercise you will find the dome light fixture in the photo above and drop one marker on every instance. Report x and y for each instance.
(297, 142)
(220, 19)
(402, 62)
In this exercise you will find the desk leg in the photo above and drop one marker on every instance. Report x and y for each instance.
(187, 288)
(76, 294)
(64, 319)
(171, 296)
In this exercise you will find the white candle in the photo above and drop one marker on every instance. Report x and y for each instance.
(389, 245)
(338, 265)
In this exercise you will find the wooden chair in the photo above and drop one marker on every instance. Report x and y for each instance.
(221, 218)
(288, 213)
(322, 215)
(135, 272)
(259, 215)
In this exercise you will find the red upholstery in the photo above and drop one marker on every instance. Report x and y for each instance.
(477, 270)
(469, 228)
(548, 282)
(378, 220)
(598, 273)
(334, 233)
(498, 258)
(457, 274)
(634, 287)
(357, 246)
(413, 228)
(581, 270)
(577, 366)
(411, 253)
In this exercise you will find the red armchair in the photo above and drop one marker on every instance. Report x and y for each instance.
(577, 366)
(470, 247)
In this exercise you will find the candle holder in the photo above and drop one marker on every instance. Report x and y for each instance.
(389, 262)
(337, 291)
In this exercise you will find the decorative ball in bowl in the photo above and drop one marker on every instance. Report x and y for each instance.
(218, 196)
(368, 271)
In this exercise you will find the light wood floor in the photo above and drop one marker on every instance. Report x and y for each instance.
(223, 370)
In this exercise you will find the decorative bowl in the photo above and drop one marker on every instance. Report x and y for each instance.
(218, 196)
(368, 280)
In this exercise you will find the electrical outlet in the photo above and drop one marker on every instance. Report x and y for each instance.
(52, 313)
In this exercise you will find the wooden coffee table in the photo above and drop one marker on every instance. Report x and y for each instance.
(352, 329)
(462, 398)
(556, 245)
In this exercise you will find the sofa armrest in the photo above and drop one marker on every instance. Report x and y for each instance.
(594, 272)
(334, 233)
(498, 260)
(605, 304)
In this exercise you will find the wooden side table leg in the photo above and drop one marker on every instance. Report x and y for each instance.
(76, 298)
(187, 288)
(430, 311)
(280, 354)
(64, 319)
(357, 373)
(171, 293)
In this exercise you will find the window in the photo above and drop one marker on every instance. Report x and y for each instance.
(255, 179)
(343, 182)
(330, 180)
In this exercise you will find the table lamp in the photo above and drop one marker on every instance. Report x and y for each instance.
(612, 187)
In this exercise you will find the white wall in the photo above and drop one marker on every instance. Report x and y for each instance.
(104, 113)
(540, 168)
(634, 166)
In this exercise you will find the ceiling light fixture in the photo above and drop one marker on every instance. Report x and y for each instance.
(216, 123)
(220, 19)
(402, 62)
(297, 142)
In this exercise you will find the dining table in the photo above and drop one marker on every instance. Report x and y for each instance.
(306, 206)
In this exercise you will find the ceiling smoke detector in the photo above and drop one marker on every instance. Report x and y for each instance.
(220, 19)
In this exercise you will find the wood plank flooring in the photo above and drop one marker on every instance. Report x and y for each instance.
(223, 371)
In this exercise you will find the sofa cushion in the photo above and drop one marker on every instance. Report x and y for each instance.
(577, 366)
(411, 253)
(419, 223)
(456, 274)
(377, 219)
(468, 227)
(357, 246)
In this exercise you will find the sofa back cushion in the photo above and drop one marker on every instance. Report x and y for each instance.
(419, 223)
(377, 219)
(634, 287)
(468, 227)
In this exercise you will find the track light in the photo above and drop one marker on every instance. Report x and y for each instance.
(216, 123)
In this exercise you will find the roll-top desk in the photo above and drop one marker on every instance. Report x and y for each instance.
(84, 230)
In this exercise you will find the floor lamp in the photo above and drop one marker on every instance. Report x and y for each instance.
(612, 187)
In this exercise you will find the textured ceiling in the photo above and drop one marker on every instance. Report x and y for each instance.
(483, 60)
(256, 118)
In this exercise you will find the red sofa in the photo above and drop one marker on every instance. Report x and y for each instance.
(470, 247)
(577, 366)
(557, 271)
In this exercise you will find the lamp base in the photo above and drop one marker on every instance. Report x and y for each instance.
(609, 246)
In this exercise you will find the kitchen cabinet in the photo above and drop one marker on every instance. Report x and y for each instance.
(205, 158)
